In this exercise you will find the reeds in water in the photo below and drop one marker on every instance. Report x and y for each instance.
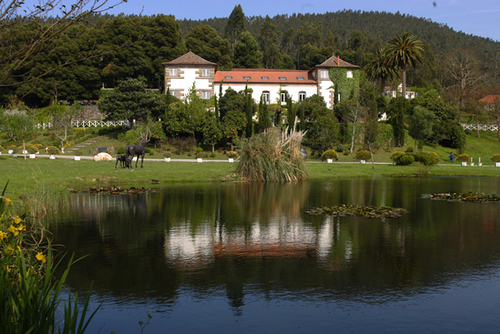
(272, 157)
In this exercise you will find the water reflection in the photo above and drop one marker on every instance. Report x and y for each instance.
(256, 240)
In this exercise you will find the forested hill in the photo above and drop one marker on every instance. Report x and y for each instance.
(378, 26)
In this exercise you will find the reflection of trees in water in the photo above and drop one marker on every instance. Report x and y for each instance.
(241, 235)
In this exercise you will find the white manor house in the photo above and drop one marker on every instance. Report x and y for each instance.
(182, 72)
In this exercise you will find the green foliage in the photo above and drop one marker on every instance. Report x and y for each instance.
(246, 52)
(406, 159)
(346, 87)
(396, 155)
(204, 41)
(323, 126)
(409, 150)
(495, 158)
(363, 155)
(463, 157)
(427, 158)
(53, 150)
(232, 154)
(329, 154)
(398, 110)
(264, 117)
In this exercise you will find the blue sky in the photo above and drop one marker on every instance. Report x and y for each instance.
(476, 17)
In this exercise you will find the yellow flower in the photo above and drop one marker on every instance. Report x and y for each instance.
(3, 235)
(17, 220)
(9, 250)
(13, 230)
(21, 228)
(7, 200)
(40, 257)
(8, 269)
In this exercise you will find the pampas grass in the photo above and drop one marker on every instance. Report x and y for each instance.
(271, 157)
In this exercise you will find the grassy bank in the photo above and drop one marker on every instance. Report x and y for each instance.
(56, 176)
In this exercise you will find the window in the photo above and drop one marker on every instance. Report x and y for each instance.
(283, 97)
(265, 78)
(265, 97)
(205, 72)
(174, 93)
(228, 77)
(282, 78)
(324, 74)
(247, 78)
(302, 96)
(205, 95)
(300, 78)
(173, 72)
(349, 73)
(339, 97)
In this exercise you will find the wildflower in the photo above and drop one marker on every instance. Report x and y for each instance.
(21, 228)
(40, 257)
(8, 269)
(8, 200)
(13, 230)
(3, 235)
(9, 250)
(17, 220)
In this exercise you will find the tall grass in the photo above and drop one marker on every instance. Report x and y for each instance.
(272, 157)
(31, 292)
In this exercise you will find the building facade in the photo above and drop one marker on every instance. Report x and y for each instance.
(190, 69)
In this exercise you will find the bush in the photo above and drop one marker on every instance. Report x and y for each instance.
(1, 148)
(427, 158)
(409, 150)
(463, 157)
(406, 159)
(212, 155)
(78, 153)
(340, 148)
(396, 155)
(329, 154)
(495, 158)
(363, 155)
(200, 155)
(121, 150)
(53, 150)
(199, 149)
(232, 154)
(167, 154)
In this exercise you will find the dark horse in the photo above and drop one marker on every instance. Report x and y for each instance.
(123, 160)
(133, 150)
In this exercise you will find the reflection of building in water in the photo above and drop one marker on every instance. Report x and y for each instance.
(280, 238)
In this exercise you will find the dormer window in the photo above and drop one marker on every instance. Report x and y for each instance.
(228, 77)
(300, 78)
(246, 77)
(264, 78)
(282, 78)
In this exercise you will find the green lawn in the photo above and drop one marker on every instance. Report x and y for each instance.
(56, 176)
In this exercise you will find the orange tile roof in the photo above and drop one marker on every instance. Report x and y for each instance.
(189, 59)
(490, 99)
(263, 76)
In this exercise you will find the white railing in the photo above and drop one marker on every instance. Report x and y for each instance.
(482, 127)
(87, 124)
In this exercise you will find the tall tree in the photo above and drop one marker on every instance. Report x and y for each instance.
(405, 50)
(246, 52)
(204, 41)
(235, 25)
(421, 122)
(268, 40)
(264, 118)
(381, 69)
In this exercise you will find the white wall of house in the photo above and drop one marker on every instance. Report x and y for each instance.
(183, 82)
(273, 89)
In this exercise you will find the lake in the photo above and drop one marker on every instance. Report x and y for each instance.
(247, 258)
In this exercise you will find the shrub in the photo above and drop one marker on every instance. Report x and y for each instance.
(121, 150)
(463, 157)
(199, 149)
(200, 155)
(1, 148)
(396, 155)
(495, 158)
(148, 150)
(78, 152)
(53, 150)
(346, 152)
(427, 158)
(329, 154)
(232, 154)
(167, 154)
(340, 148)
(363, 155)
(212, 155)
(409, 150)
(406, 159)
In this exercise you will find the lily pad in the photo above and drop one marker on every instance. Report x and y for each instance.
(367, 211)
(464, 197)
(115, 190)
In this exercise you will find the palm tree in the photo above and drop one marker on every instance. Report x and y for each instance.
(405, 50)
(381, 69)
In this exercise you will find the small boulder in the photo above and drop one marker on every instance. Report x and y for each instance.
(103, 156)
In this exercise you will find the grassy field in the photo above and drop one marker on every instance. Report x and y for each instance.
(56, 176)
